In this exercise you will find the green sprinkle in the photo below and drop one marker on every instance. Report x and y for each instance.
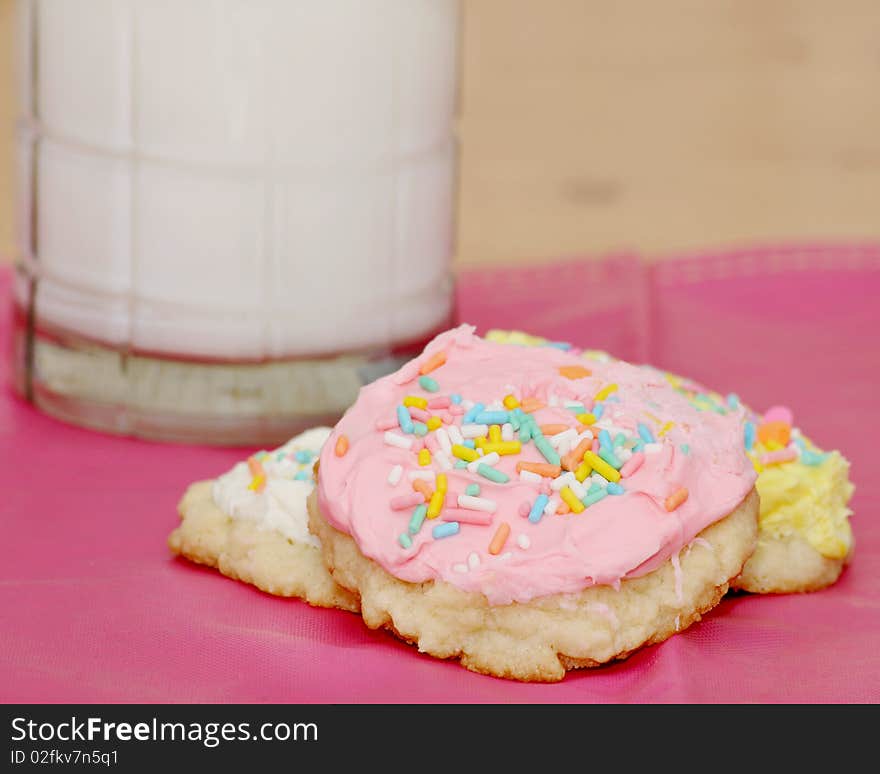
(418, 518)
(420, 428)
(685, 449)
(404, 540)
(590, 499)
(460, 464)
(486, 471)
(611, 458)
(619, 439)
(428, 384)
(472, 490)
(548, 452)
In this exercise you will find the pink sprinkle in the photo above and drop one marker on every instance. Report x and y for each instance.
(438, 403)
(781, 455)
(431, 443)
(446, 418)
(419, 414)
(466, 516)
(456, 409)
(387, 424)
(451, 500)
(524, 509)
(632, 464)
(779, 414)
(595, 446)
(402, 502)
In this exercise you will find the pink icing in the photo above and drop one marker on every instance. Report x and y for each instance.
(621, 536)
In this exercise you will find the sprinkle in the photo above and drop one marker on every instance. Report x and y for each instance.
(510, 402)
(414, 401)
(665, 429)
(547, 451)
(303, 456)
(527, 475)
(522, 540)
(443, 439)
(632, 464)
(469, 443)
(614, 489)
(537, 510)
(619, 440)
(562, 509)
(587, 419)
(341, 446)
(473, 560)
(601, 466)
(503, 447)
(422, 487)
(417, 518)
(434, 423)
(676, 498)
(432, 363)
(809, 457)
(583, 471)
(486, 459)
(425, 475)
(604, 439)
(394, 475)
(494, 433)
(477, 503)
(593, 497)
(302, 475)
(464, 453)
(442, 482)
(541, 468)
(611, 458)
(574, 371)
(553, 429)
(394, 439)
(424, 457)
(733, 400)
(570, 500)
(653, 448)
(492, 417)
(528, 405)
(455, 398)
(446, 529)
(404, 420)
(499, 538)
(404, 540)
(605, 392)
(777, 431)
(428, 384)
(435, 504)
(749, 435)
(473, 490)
(685, 448)
(420, 429)
(258, 482)
(782, 455)
(467, 516)
(561, 481)
(552, 505)
(474, 430)
(471, 413)
(507, 432)
(405, 501)
(598, 410)
(459, 464)
(454, 434)
(493, 475)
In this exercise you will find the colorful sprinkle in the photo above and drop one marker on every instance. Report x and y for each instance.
(258, 483)
(537, 510)
(405, 501)
(676, 498)
(417, 519)
(605, 392)
(510, 402)
(594, 496)
(404, 540)
(428, 384)
(522, 540)
(782, 455)
(473, 490)
(423, 488)
(395, 474)
(499, 538)
(571, 500)
(341, 447)
(446, 529)
(632, 464)
(477, 503)
(464, 453)
(547, 451)
(432, 363)
(601, 466)
(611, 458)
(574, 371)
(466, 516)
(493, 475)
(414, 401)
(394, 439)
(614, 489)
(424, 458)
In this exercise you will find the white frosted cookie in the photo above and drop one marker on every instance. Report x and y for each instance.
(805, 539)
(526, 514)
(251, 524)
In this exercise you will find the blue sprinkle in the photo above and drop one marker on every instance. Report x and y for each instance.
(428, 384)
(303, 456)
(610, 457)
(614, 489)
(404, 419)
(645, 433)
(492, 417)
(598, 410)
(515, 419)
(468, 418)
(563, 345)
(303, 475)
(447, 529)
(733, 400)
(685, 449)
(538, 507)
(420, 428)
(605, 440)
(749, 435)
(469, 442)
(455, 398)
(813, 458)
(612, 399)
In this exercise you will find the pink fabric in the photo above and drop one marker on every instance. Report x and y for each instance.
(94, 609)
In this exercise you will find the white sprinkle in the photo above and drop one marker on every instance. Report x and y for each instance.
(653, 448)
(477, 503)
(443, 439)
(455, 435)
(394, 475)
(563, 480)
(473, 560)
(598, 478)
(522, 540)
(573, 404)
(426, 475)
(584, 436)
(578, 489)
(400, 441)
(474, 431)
(467, 405)
(460, 567)
(565, 436)
(495, 405)
(623, 454)
(442, 459)
(507, 432)
(505, 556)
(493, 458)
(527, 475)
(552, 505)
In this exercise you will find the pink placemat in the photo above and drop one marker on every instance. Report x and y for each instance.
(94, 609)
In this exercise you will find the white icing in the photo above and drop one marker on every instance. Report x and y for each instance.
(281, 505)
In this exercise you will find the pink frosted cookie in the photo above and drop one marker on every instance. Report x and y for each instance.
(527, 512)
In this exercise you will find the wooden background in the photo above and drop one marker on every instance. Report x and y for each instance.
(589, 125)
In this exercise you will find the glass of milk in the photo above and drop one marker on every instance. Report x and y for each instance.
(231, 213)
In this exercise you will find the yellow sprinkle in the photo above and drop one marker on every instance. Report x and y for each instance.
(503, 447)
(653, 418)
(571, 500)
(586, 419)
(435, 503)
(442, 483)
(480, 442)
(510, 402)
(433, 423)
(673, 380)
(583, 471)
(665, 429)
(494, 433)
(605, 392)
(415, 400)
(601, 467)
(464, 453)
(424, 457)
(756, 463)
(257, 483)
(773, 445)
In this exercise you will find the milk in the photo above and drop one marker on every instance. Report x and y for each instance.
(239, 180)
